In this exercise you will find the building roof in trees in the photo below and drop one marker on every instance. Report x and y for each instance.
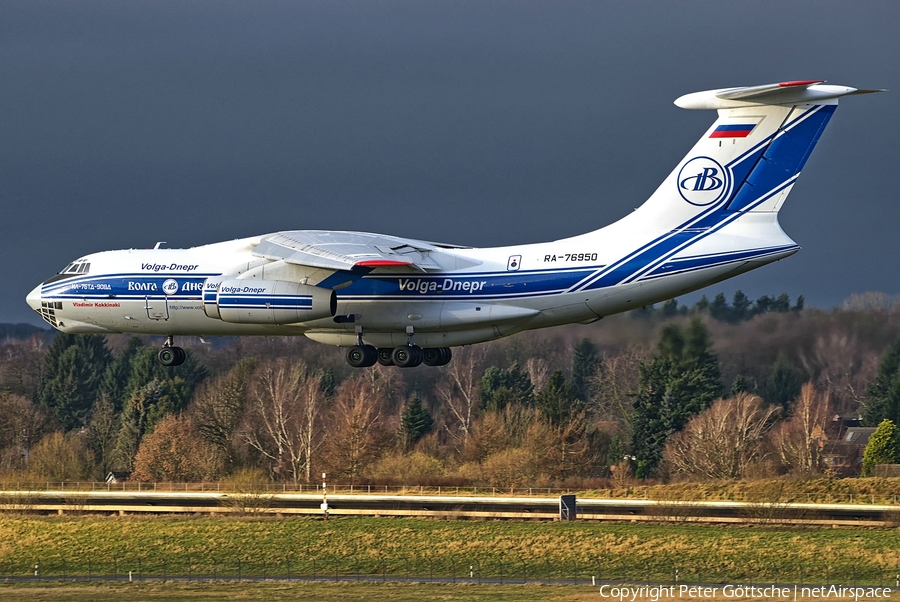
(859, 435)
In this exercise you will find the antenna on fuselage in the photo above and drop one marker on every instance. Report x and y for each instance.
(162, 242)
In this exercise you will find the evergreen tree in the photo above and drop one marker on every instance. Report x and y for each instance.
(739, 385)
(101, 434)
(71, 377)
(671, 342)
(763, 305)
(329, 383)
(798, 307)
(670, 308)
(556, 401)
(740, 307)
(680, 381)
(134, 424)
(500, 388)
(883, 447)
(702, 305)
(884, 391)
(416, 422)
(719, 309)
(782, 304)
(585, 362)
(117, 375)
(177, 382)
(698, 349)
(783, 385)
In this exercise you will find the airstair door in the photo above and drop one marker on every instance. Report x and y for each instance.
(157, 308)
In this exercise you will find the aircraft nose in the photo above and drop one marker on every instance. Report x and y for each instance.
(34, 298)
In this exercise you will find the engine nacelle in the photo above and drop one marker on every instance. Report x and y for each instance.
(266, 301)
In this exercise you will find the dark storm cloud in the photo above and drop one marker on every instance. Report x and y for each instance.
(478, 123)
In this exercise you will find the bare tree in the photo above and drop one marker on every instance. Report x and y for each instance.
(282, 410)
(616, 383)
(843, 364)
(60, 457)
(571, 448)
(174, 451)
(798, 439)
(723, 441)
(538, 371)
(218, 406)
(459, 391)
(21, 423)
(21, 365)
(356, 433)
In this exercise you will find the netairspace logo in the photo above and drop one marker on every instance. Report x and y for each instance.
(656, 593)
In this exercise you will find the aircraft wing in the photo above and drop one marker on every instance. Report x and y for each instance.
(338, 250)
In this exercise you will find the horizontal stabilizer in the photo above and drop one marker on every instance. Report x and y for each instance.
(784, 93)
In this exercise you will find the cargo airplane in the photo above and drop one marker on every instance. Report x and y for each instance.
(403, 302)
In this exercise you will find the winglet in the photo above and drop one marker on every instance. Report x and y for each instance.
(783, 93)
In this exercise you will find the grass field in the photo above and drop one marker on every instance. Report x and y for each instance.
(324, 592)
(319, 592)
(270, 547)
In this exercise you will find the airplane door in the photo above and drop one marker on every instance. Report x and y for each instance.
(157, 309)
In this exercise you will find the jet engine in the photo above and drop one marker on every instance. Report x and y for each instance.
(266, 301)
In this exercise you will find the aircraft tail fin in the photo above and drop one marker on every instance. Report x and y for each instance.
(750, 157)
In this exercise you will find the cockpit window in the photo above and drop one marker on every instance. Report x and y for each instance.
(77, 267)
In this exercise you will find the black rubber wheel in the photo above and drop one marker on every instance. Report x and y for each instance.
(168, 356)
(384, 356)
(362, 356)
(182, 356)
(407, 356)
(447, 356)
(432, 356)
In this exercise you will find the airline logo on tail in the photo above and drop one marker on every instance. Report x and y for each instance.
(702, 181)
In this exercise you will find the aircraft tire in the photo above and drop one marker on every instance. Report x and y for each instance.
(446, 355)
(384, 356)
(433, 356)
(362, 356)
(171, 356)
(407, 356)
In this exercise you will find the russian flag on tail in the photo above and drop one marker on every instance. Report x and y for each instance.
(741, 130)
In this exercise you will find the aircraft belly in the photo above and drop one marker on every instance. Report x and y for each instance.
(424, 339)
(427, 316)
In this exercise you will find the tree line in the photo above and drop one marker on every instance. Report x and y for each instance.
(697, 393)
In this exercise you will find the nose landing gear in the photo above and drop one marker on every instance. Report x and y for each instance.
(170, 355)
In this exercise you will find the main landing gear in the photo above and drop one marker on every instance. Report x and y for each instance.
(405, 356)
(170, 355)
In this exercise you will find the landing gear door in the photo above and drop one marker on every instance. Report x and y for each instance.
(157, 309)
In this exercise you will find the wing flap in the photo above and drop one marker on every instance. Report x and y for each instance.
(337, 250)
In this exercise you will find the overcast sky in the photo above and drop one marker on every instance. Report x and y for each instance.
(479, 123)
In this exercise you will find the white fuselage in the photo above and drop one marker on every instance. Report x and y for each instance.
(501, 291)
